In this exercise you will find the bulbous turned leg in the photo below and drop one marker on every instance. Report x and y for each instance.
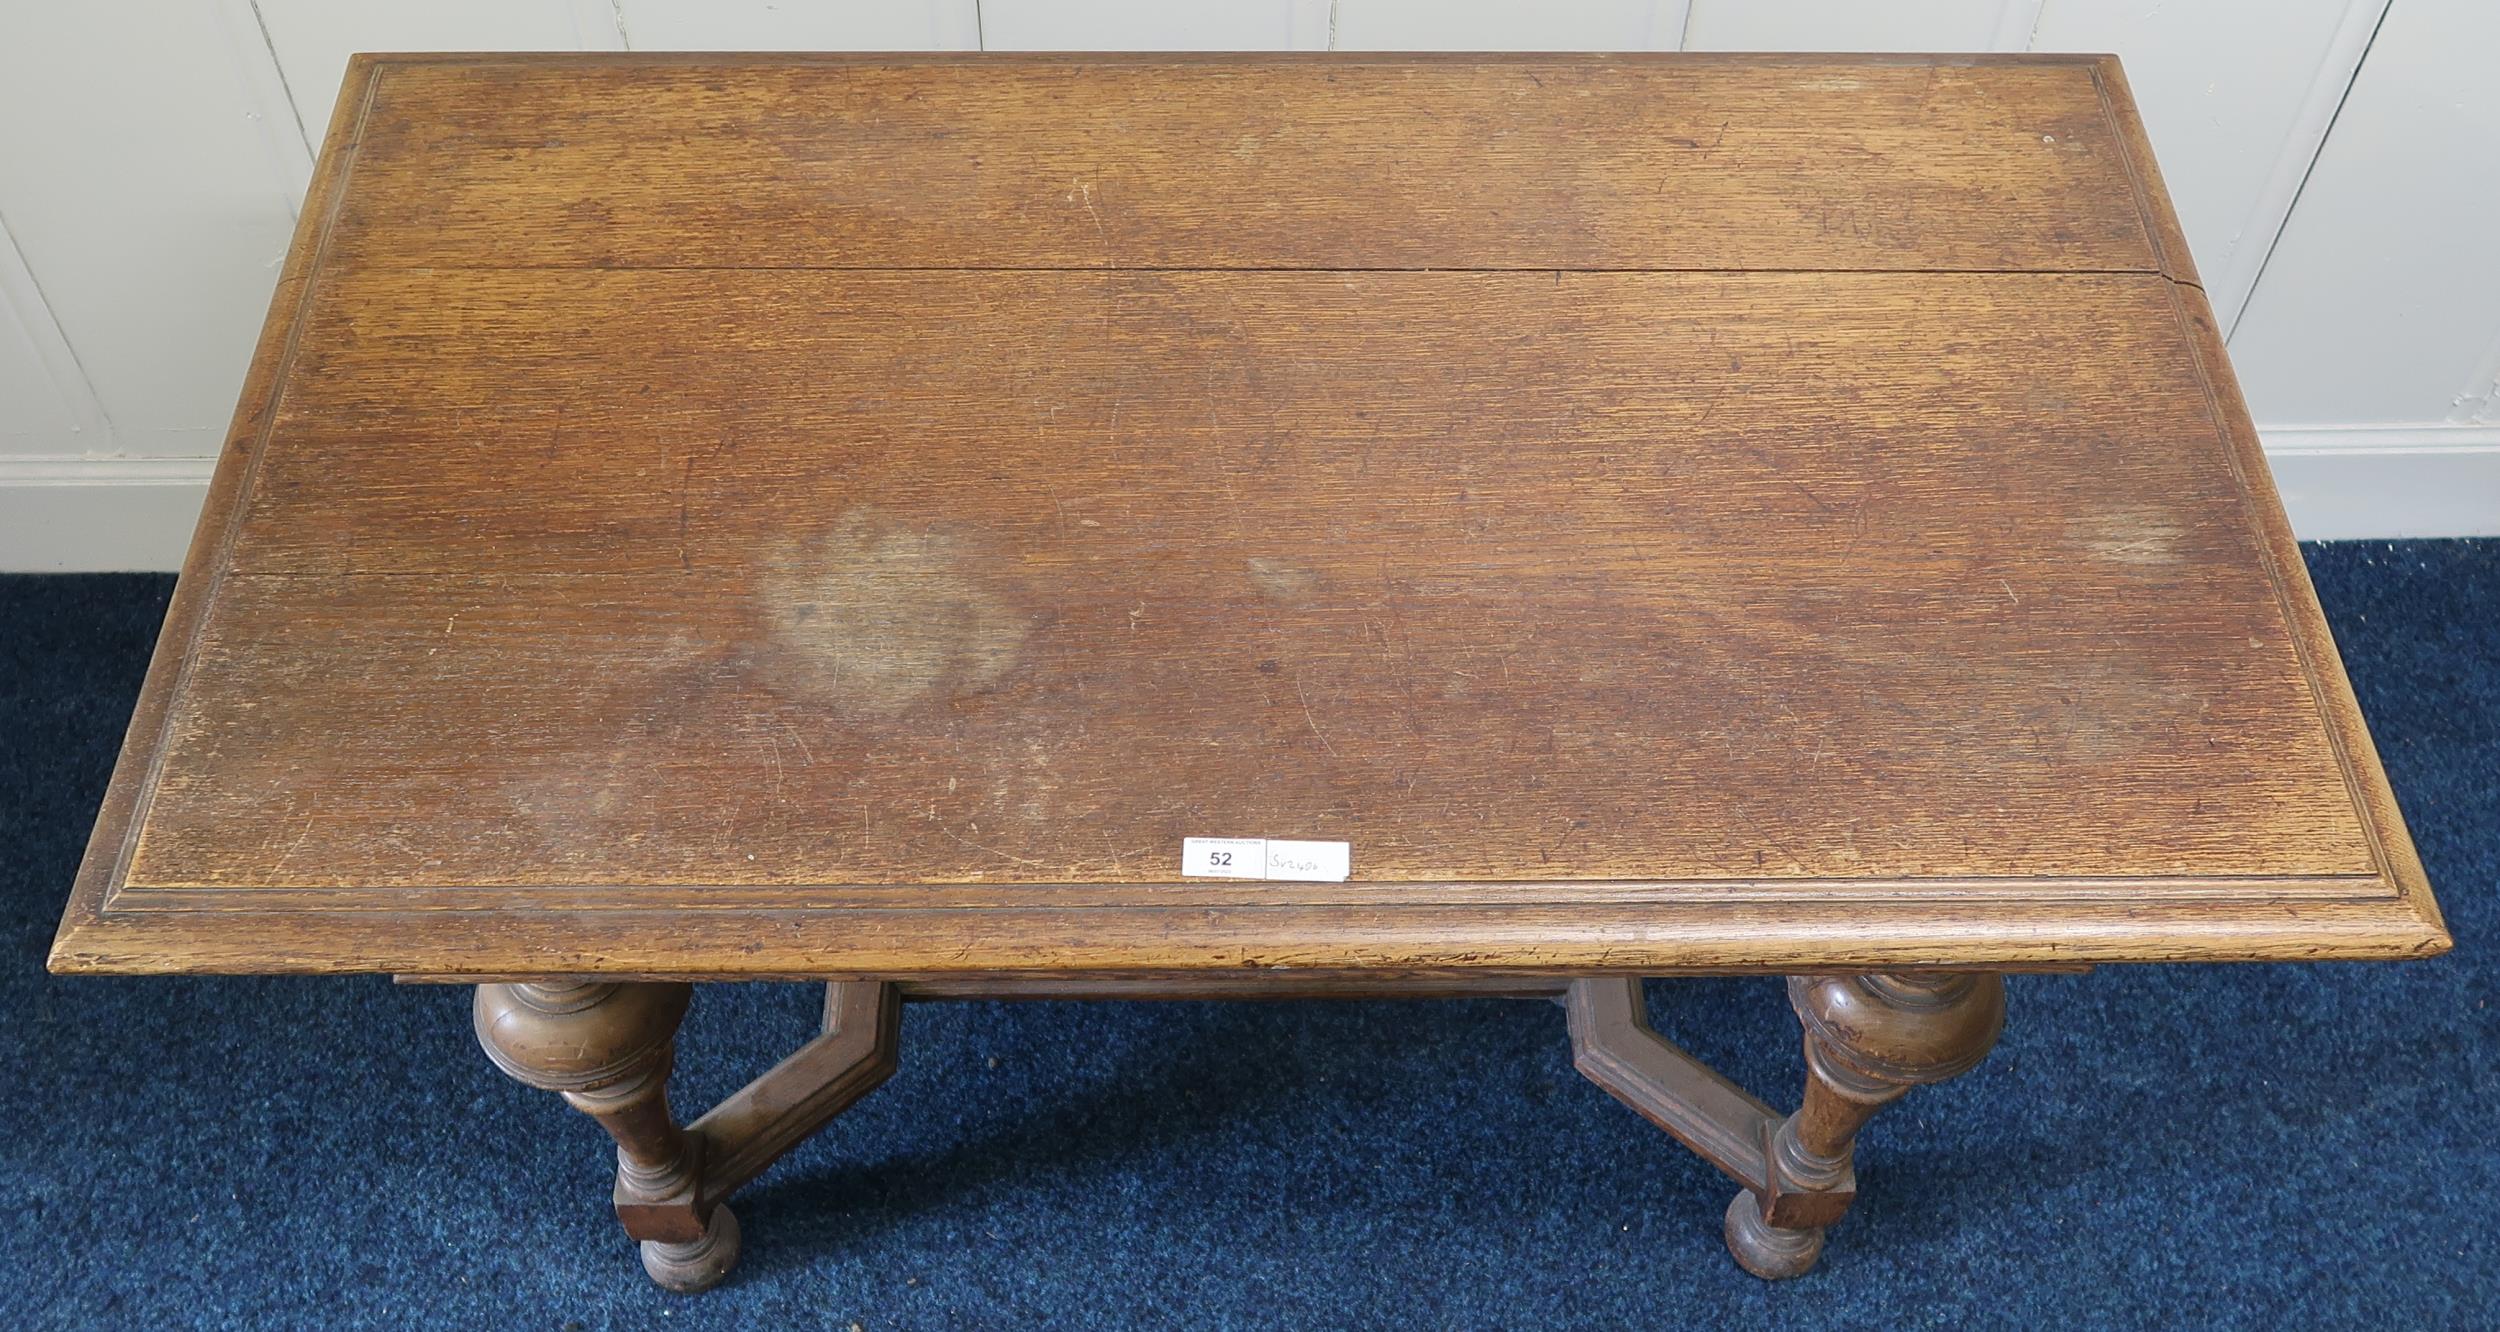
(608, 1048)
(1868, 1040)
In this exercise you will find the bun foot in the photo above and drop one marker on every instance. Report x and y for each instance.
(699, 1264)
(1768, 1251)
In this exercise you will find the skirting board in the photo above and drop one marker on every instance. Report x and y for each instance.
(2350, 482)
(96, 515)
(76, 515)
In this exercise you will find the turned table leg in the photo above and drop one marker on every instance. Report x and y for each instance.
(1868, 1040)
(608, 1048)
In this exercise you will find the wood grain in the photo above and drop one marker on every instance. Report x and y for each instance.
(468, 422)
(1666, 576)
(843, 575)
(1626, 161)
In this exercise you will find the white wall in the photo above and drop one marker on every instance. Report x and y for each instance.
(2374, 338)
(2332, 161)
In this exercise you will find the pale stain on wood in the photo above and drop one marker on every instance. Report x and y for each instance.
(872, 618)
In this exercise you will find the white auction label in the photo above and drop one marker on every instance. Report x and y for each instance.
(1265, 858)
(1224, 857)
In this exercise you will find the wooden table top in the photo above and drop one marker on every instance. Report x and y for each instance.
(720, 515)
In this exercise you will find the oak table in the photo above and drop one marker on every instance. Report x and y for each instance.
(701, 518)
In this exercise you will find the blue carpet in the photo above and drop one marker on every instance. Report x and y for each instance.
(2152, 1146)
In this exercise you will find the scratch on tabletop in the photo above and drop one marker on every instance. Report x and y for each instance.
(294, 846)
(1306, 716)
(949, 835)
(685, 500)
